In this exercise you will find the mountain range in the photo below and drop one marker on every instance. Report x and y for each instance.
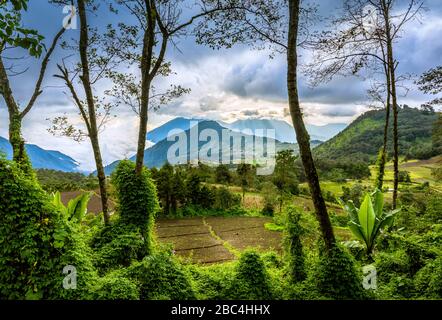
(284, 132)
(41, 158)
(161, 152)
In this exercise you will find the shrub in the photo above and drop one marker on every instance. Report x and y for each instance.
(225, 199)
(118, 246)
(428, 280)
(293, 246)
(337, 277)
(115, 286)
(161, 277)
(37, 242)
(251, 279)
(137, 199)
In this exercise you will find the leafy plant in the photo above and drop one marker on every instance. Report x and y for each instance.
(76, 208)
(367, 221)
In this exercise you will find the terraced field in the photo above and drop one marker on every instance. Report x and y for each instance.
(217, 239)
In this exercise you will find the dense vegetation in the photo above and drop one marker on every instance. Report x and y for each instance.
(362, 140)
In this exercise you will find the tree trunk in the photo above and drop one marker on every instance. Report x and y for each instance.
(301, 132)
(93, 130)
(392, 71)
(383, 158)
(19, 154)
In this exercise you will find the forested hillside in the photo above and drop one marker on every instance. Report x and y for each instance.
(363, 139)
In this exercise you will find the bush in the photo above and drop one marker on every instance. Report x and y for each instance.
(428, 280)
(137, 199)
(37, 242)
(161, 277)
(115, 286)
(251, 279)
(293, 246)
(225, 199)
(337, 277)
(118, 246)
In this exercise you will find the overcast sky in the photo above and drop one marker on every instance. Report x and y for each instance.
(226, 85)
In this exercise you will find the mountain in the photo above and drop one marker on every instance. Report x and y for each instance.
(284, 132)
(41, 158)
(157, 155)
(161, 133)
(363, 138)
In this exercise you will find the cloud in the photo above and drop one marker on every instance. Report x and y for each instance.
(250, 113)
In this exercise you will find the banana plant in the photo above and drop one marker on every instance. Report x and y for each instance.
(367, 221)
(76, 208)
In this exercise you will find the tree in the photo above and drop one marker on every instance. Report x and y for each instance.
(364, 37)
(431, 83)
(91, 69)
(12, 36)
(246, 175)
(161, 23)
(165, 185)
(223, 175)
(285, 176)
(281, 25)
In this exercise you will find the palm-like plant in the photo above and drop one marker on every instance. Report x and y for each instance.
(76, 208)
(367, 221)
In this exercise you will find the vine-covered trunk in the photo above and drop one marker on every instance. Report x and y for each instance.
(93, 128)
(19, 154)
(301, 132)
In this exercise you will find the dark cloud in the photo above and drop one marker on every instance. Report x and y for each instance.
(250, 113)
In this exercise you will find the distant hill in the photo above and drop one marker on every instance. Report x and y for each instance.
(363, 138)
(156, 156)
(284, 132)
(41, 158)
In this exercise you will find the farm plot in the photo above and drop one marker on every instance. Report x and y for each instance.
(216, 239)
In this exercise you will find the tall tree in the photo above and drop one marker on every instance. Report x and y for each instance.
(285, 175)
(363, 37)
(161, 23)
(246, 173)
(13, 36)
(282, 25)
(431, 83)
(91, 68)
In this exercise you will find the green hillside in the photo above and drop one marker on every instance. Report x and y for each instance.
(362, 139)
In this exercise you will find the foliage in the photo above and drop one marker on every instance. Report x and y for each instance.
(13, 33)
(161, 277)
(337, 277)
(114, 286)
(118, 245)
(137, 200)
(293, 246)
(223, 175)
(361, 141)
(367, 221)
(251, 279)
(76, 208)
(353, 193)
(31, 265)
(285, 176)
(404, 176)
(52, 181)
